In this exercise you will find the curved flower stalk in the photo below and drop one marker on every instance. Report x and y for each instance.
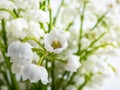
(58, 46)
(6, 8)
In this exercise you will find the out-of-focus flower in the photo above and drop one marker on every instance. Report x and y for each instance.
(34, 30)
(15, 29)
(36, 15)
(73, 63)
(27, 4)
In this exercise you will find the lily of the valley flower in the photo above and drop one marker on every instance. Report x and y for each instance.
(15, 28)
(73, 63)
(35, 73)
(56, 41)
(20, 52)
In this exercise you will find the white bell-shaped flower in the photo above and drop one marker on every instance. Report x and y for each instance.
(20, 52)
(56, 41)
(73, 63)
(15, 28)
(35, 73)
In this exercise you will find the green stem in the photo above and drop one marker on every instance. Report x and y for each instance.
(99, 20)
(43, 27)
(50, 17)
(43, 5)
(54, 58)
(16, 13)
(34, 39)
(41, 59)
(93, 42)
(53, 75)
(69, 26)
(6, 79)
(58, 11)
(81, 87)
(59, 83)
(7, 60)
(10, 12)
(87, 53)
(81, 28)
(38, 51)
(70, 80)
(88, 78)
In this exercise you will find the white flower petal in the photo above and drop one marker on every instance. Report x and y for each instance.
(20, 52)
(56, 35)
(35, 73)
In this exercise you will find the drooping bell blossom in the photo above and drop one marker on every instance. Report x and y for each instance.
(35, 73)
(20, 53)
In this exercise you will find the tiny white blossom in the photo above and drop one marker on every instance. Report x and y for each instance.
(56, 41)
(36, 15)
(20, 52)
(15, 28)
(35, 73)
(73, 63)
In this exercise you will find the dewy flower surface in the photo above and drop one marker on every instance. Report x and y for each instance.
(56, 41)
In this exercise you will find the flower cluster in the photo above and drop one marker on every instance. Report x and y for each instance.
(58, 44)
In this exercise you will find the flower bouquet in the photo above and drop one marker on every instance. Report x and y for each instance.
(58, 44)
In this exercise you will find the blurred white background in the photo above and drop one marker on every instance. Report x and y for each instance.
(113, 83)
